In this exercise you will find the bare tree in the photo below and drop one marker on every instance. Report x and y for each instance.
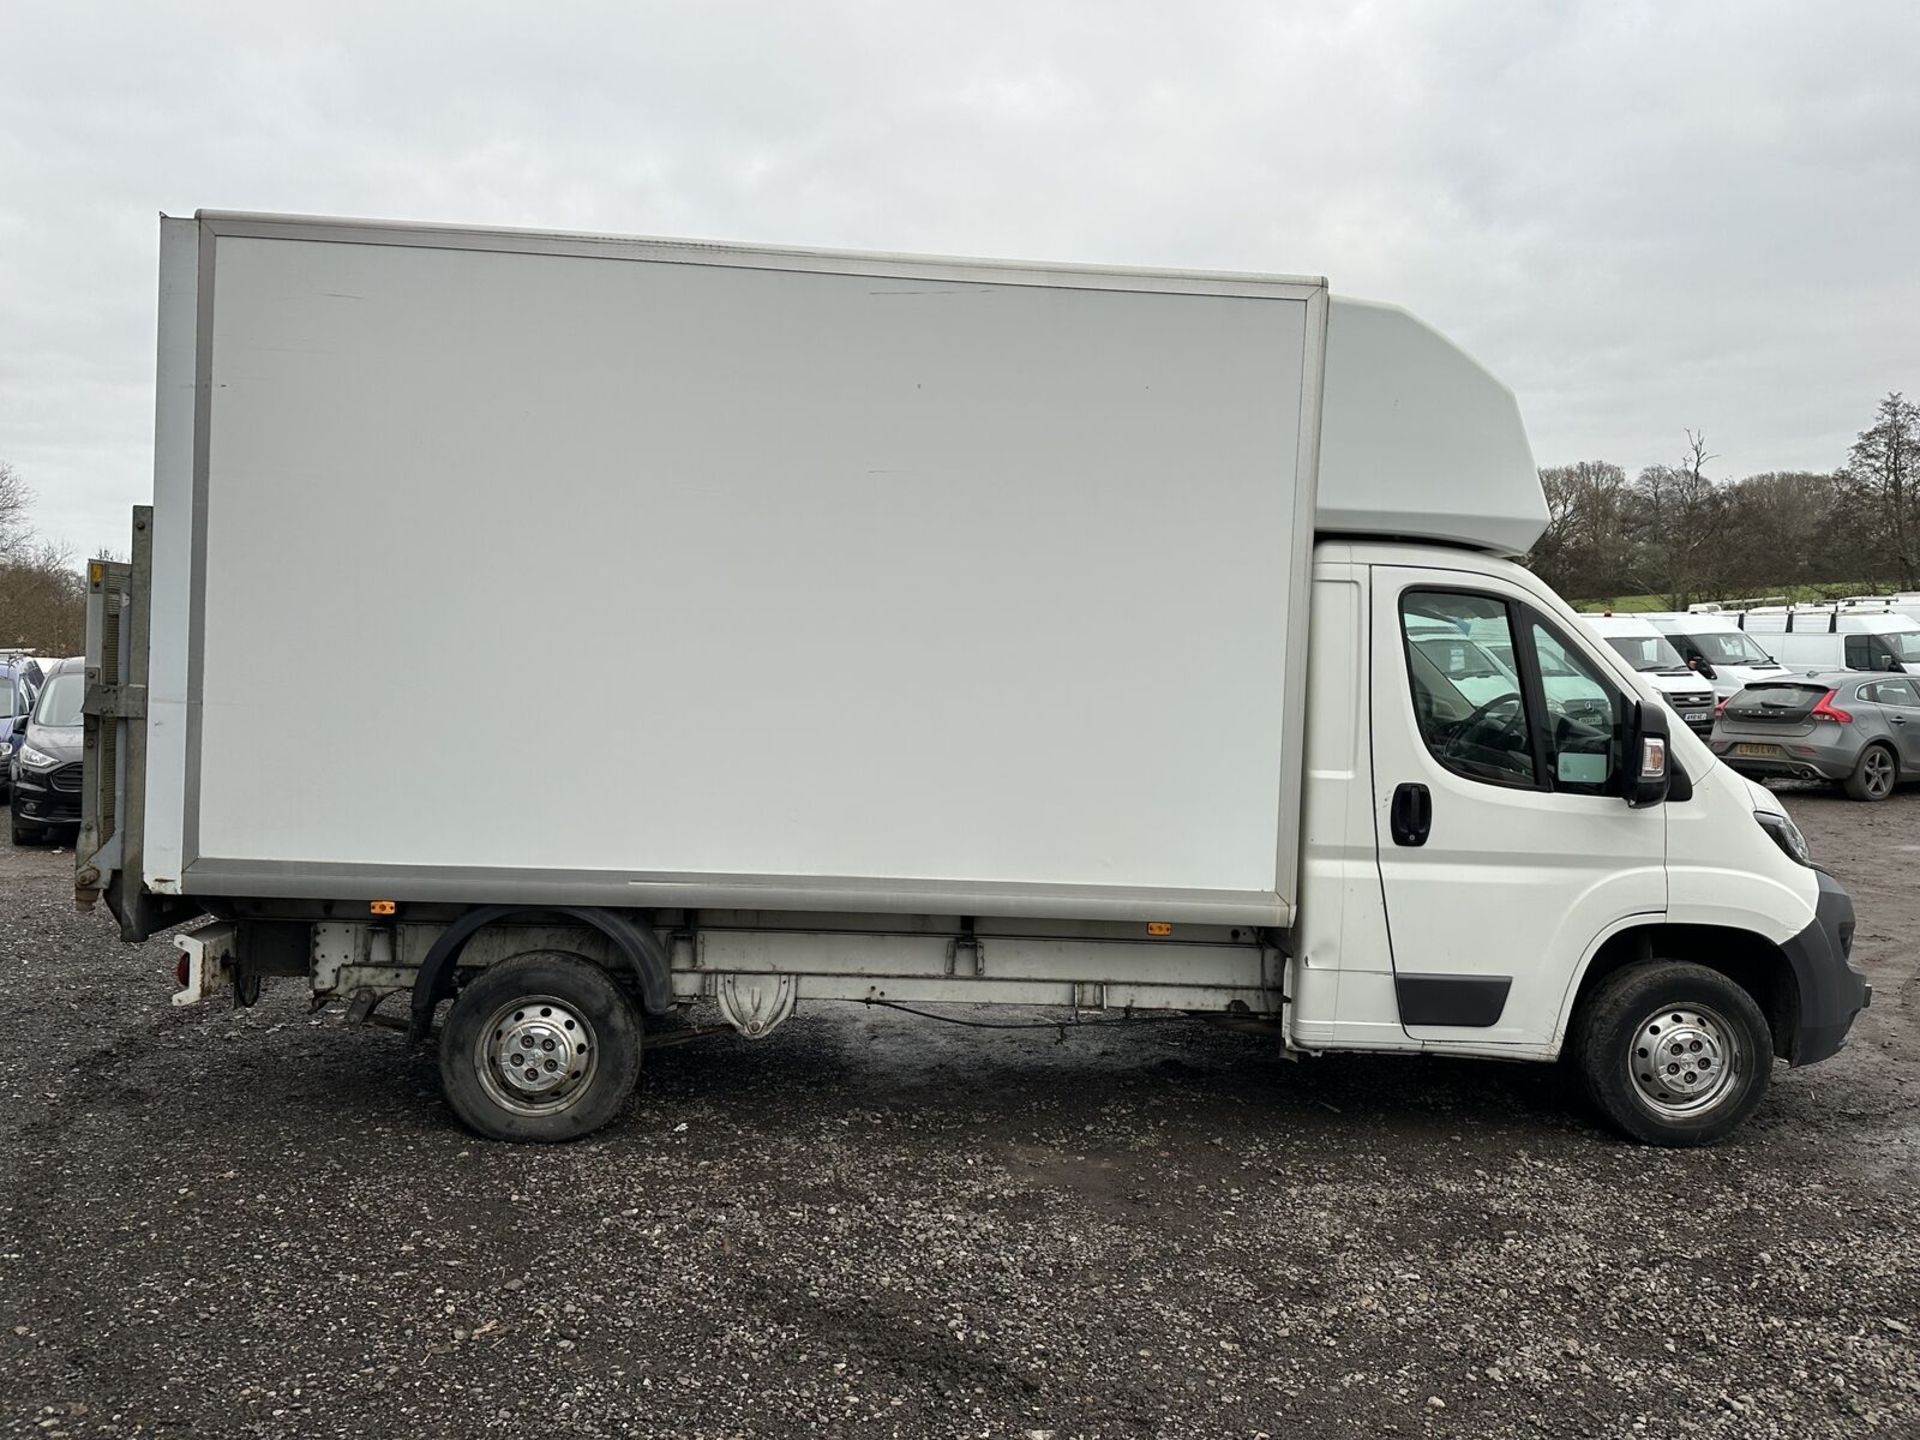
(1786, 529)
(43, 599)
(1884, 470)
(1680, 519)
(16, 499)
(1586, 545)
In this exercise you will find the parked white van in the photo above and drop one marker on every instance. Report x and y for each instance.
(1719, 649)
(1836, 637)
(1652, 654)
(1177, 744)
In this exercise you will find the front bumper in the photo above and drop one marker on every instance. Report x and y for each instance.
(1832, 991)
(48, 797)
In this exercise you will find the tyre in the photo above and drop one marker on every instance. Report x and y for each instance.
(1673, 1053)
(1874, 775)
(540, 1048)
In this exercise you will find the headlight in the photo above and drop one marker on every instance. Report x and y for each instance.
(36, 759)
(1786, 835)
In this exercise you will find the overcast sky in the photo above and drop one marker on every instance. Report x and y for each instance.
(1642, 216)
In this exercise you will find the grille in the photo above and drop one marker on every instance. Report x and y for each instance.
(66, 780)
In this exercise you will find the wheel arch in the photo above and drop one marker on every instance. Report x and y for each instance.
(630, 934)
(1751, 961)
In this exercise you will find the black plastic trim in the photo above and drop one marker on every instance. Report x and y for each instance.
(1832, 992)
(1679, 783)
(1471, 1000)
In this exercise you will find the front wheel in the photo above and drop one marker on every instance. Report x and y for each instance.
(1673, 1053)
(540, 1048)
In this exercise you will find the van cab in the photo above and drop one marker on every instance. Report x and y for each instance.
(1648, 651)
(1717, 648)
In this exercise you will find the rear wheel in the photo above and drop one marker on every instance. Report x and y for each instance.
(1874, 774)
(540, 1048)
(1673, 1053)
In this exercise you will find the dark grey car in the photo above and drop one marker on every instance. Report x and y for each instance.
(1861, 731)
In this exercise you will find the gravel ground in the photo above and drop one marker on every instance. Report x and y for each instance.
(265, 1223)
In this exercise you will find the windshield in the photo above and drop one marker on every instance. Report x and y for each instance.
(1729, 647)
(1460, 659)
(59, 703)
(1903, 643)
(1647, 652)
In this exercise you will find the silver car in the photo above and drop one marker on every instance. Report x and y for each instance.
(1859, 730)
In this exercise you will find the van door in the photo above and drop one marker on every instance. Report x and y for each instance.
(1506, 847)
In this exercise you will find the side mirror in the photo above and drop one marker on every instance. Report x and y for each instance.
(1649, 760)
(1706, 668)
(1890, 662)
(20, 724)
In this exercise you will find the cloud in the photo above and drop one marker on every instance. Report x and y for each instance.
(1644, 217)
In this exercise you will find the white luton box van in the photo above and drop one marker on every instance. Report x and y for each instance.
(919, 630)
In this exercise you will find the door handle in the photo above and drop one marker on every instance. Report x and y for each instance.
(1898, 719)
(1411, 818)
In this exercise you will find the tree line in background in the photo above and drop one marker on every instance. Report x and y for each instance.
(1674, 533)
(43, 599)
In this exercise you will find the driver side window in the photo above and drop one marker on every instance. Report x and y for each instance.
(1467, 696)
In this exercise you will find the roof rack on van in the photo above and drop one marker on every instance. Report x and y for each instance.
(1790, 610)
(1752, 602)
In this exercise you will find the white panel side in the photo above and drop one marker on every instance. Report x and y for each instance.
(1418, 441)
(173, 464)
(819, 574)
